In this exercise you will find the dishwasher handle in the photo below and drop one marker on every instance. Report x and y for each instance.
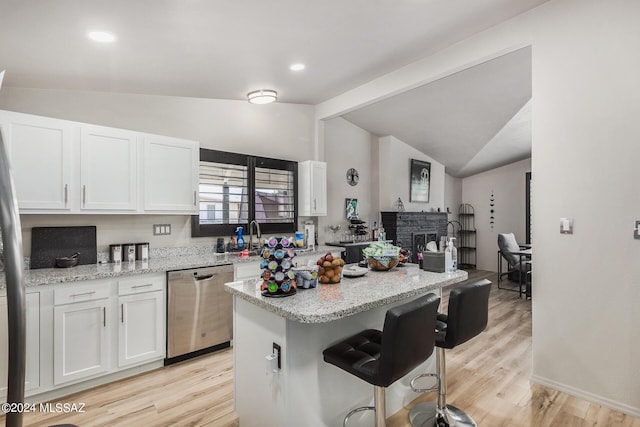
(205, 277)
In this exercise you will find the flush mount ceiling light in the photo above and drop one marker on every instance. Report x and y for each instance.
(297, 67)
(262, 96)
(101, 36)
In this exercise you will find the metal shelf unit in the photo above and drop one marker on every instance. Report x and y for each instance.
(467, 237)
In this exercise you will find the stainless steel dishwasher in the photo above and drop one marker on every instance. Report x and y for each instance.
(199, 311)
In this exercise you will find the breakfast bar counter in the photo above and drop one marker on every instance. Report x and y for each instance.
(305, 390)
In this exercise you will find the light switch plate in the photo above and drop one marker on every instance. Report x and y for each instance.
(636, 231)
(566, 225)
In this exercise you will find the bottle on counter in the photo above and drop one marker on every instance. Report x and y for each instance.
(240, 241)
(451, 256)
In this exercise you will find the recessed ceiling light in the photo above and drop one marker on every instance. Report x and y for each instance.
(262, 96)
(101, 36)
(297, 67)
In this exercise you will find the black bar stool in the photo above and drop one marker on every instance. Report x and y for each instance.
(382, 357)
(467, 317)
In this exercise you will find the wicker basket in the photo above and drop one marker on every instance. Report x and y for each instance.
(382, 264)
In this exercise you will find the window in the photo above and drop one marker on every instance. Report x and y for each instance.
(226, 182)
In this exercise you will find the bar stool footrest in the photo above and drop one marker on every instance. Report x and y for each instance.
(355, 411)
(425, 390)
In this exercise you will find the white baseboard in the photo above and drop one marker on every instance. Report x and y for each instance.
(611, 404)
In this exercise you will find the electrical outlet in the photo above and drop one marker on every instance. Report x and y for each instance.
(161, 229)
(278, 352)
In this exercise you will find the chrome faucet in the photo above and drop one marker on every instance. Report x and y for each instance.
(251, 233)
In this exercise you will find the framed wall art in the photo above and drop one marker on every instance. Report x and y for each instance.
(419, 181)
(351, 208)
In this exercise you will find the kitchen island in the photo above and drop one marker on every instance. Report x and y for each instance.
(306, 390)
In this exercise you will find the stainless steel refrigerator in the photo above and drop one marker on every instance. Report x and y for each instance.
(13, 265)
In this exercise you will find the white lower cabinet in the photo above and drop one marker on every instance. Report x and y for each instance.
(141, 330)
(101, 327)
(32, 371)
(81, 340)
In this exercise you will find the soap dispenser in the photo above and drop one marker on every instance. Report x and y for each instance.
(240, 242)
(451, 257)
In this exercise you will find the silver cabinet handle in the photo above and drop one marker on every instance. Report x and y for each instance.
(195, 198)
(122, 312)
(84, 195)
(84, 294)
(142, 286)
(104, 316)
(66, 194)
(206, 277)
(314, 205)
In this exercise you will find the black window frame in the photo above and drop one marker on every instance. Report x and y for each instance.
(252, 162)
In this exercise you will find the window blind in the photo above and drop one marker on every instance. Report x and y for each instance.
(274, 195)
(224, 193)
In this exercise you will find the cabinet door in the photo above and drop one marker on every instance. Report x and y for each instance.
(40, 155)
(312, 188)
(108, 169)
(81, 333)
(142, 327)
(32, 371)
(246, 270)
(318, 188)
(170, 175)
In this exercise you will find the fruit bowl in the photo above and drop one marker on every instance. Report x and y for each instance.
(382, 263)
(330, 269)
(330, 275)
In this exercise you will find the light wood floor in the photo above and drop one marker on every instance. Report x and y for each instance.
(488, 377)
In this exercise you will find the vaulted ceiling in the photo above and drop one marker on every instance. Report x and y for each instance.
(471, 121)
(223, 49)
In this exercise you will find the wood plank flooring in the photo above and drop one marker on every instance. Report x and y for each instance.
(488, 377)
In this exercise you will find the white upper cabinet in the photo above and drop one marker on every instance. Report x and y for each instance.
(40, 154)
(312, 188)
(170, 175)
(61, 166)
(108, 169)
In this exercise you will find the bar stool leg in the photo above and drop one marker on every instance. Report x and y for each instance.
(431, 414)
(381, 410)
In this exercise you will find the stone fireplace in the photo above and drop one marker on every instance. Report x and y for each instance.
(412, 229)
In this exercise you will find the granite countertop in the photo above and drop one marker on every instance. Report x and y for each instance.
(173, 260)
(325, 303)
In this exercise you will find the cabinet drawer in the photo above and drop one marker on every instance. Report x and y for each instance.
(147, 283)
(81, 293)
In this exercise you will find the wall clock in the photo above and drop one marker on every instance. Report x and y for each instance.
(352, 177)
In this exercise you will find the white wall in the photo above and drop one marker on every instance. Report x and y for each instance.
(585, 133)
(507, 183)
(394, 165)
(585, 166)
(452, 195)
(277, 130)
(348, 146)
(274, 130)
(119, 229)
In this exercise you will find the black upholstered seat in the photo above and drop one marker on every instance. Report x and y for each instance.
(382, 357)
(467, 315)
